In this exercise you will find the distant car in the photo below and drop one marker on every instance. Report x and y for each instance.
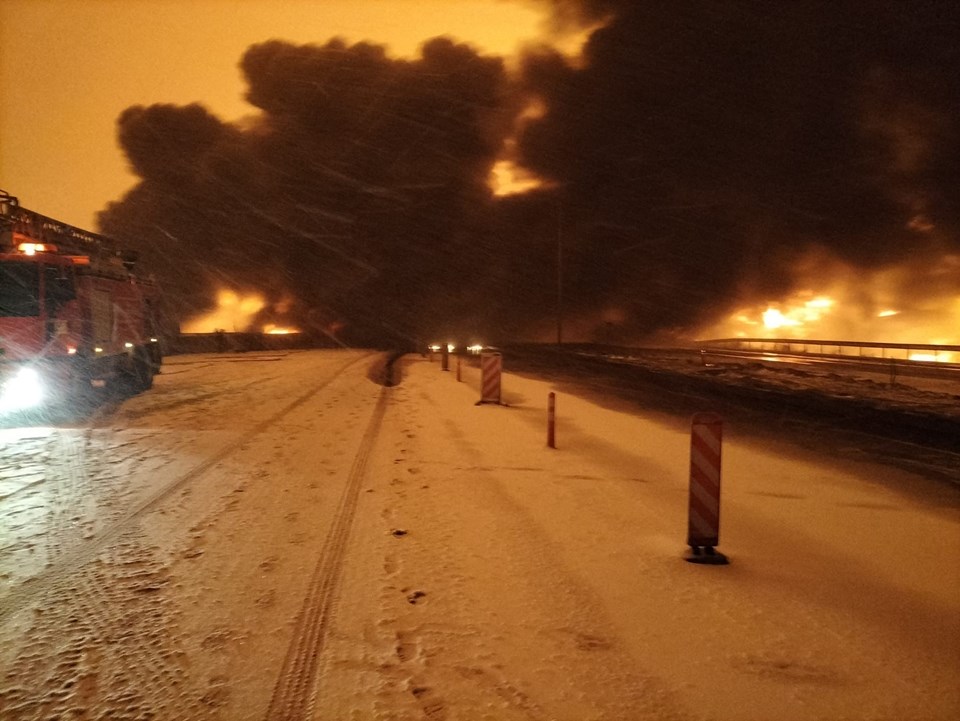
(454, 347)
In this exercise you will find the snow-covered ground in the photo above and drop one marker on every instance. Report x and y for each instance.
(267, 536)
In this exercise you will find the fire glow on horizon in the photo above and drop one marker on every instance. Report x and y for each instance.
(271, 329)
(235, 313)
(881, 306)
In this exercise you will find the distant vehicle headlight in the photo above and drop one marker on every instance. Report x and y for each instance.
(20, 391)
(434, 347)
(475, 348)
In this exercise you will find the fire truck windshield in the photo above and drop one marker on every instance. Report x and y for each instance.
(19, 290)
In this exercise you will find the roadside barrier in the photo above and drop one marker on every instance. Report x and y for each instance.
(706, 438)
(491, 364)
(551, 420)
(703, 518)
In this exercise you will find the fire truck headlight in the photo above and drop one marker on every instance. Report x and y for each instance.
(22, 390)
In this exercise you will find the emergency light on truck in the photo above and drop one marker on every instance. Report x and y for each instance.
(34, 248)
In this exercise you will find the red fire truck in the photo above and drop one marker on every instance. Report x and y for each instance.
(74, 314)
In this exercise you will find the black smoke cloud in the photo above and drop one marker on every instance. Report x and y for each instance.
(759, 130)
(692, 156)
(360, 190)
(701, 148)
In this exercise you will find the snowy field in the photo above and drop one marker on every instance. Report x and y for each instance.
(894, 388)
(910, 421)
(280, 536)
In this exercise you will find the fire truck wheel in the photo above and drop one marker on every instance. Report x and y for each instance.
(81, 396)
(136, 374)
(145, 370)
(142, 371)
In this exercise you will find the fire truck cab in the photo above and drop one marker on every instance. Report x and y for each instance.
(74, 314)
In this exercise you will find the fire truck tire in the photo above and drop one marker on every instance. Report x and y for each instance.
(142, 371)
(145, 368)
(81, 395)
(156, 356)
(136, 374)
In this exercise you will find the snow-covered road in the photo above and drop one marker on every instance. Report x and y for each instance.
(279, 536)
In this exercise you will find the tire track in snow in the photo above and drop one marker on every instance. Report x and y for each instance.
(69, 561)
(27, 502)
(101, 629)
(293, 695)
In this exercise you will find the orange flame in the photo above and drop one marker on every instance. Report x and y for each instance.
(507, 178)
(271, 329)
(916, 302)
(234, 313)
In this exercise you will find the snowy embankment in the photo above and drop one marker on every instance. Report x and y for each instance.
(908, 419)
(880, 389)
(405, 553)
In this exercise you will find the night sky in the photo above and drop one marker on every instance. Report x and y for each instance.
(694, 157)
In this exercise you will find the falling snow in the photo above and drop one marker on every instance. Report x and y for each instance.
(270, 535)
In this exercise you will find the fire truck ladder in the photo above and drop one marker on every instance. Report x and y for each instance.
(69, 240)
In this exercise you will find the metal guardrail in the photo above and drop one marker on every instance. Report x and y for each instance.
(907, 358)
(919, 352)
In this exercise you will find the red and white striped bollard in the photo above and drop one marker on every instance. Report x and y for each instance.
(703, 518)
(491, 364)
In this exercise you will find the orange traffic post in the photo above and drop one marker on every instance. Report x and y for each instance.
(491, 364)
(551, 420)
(703, 518)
